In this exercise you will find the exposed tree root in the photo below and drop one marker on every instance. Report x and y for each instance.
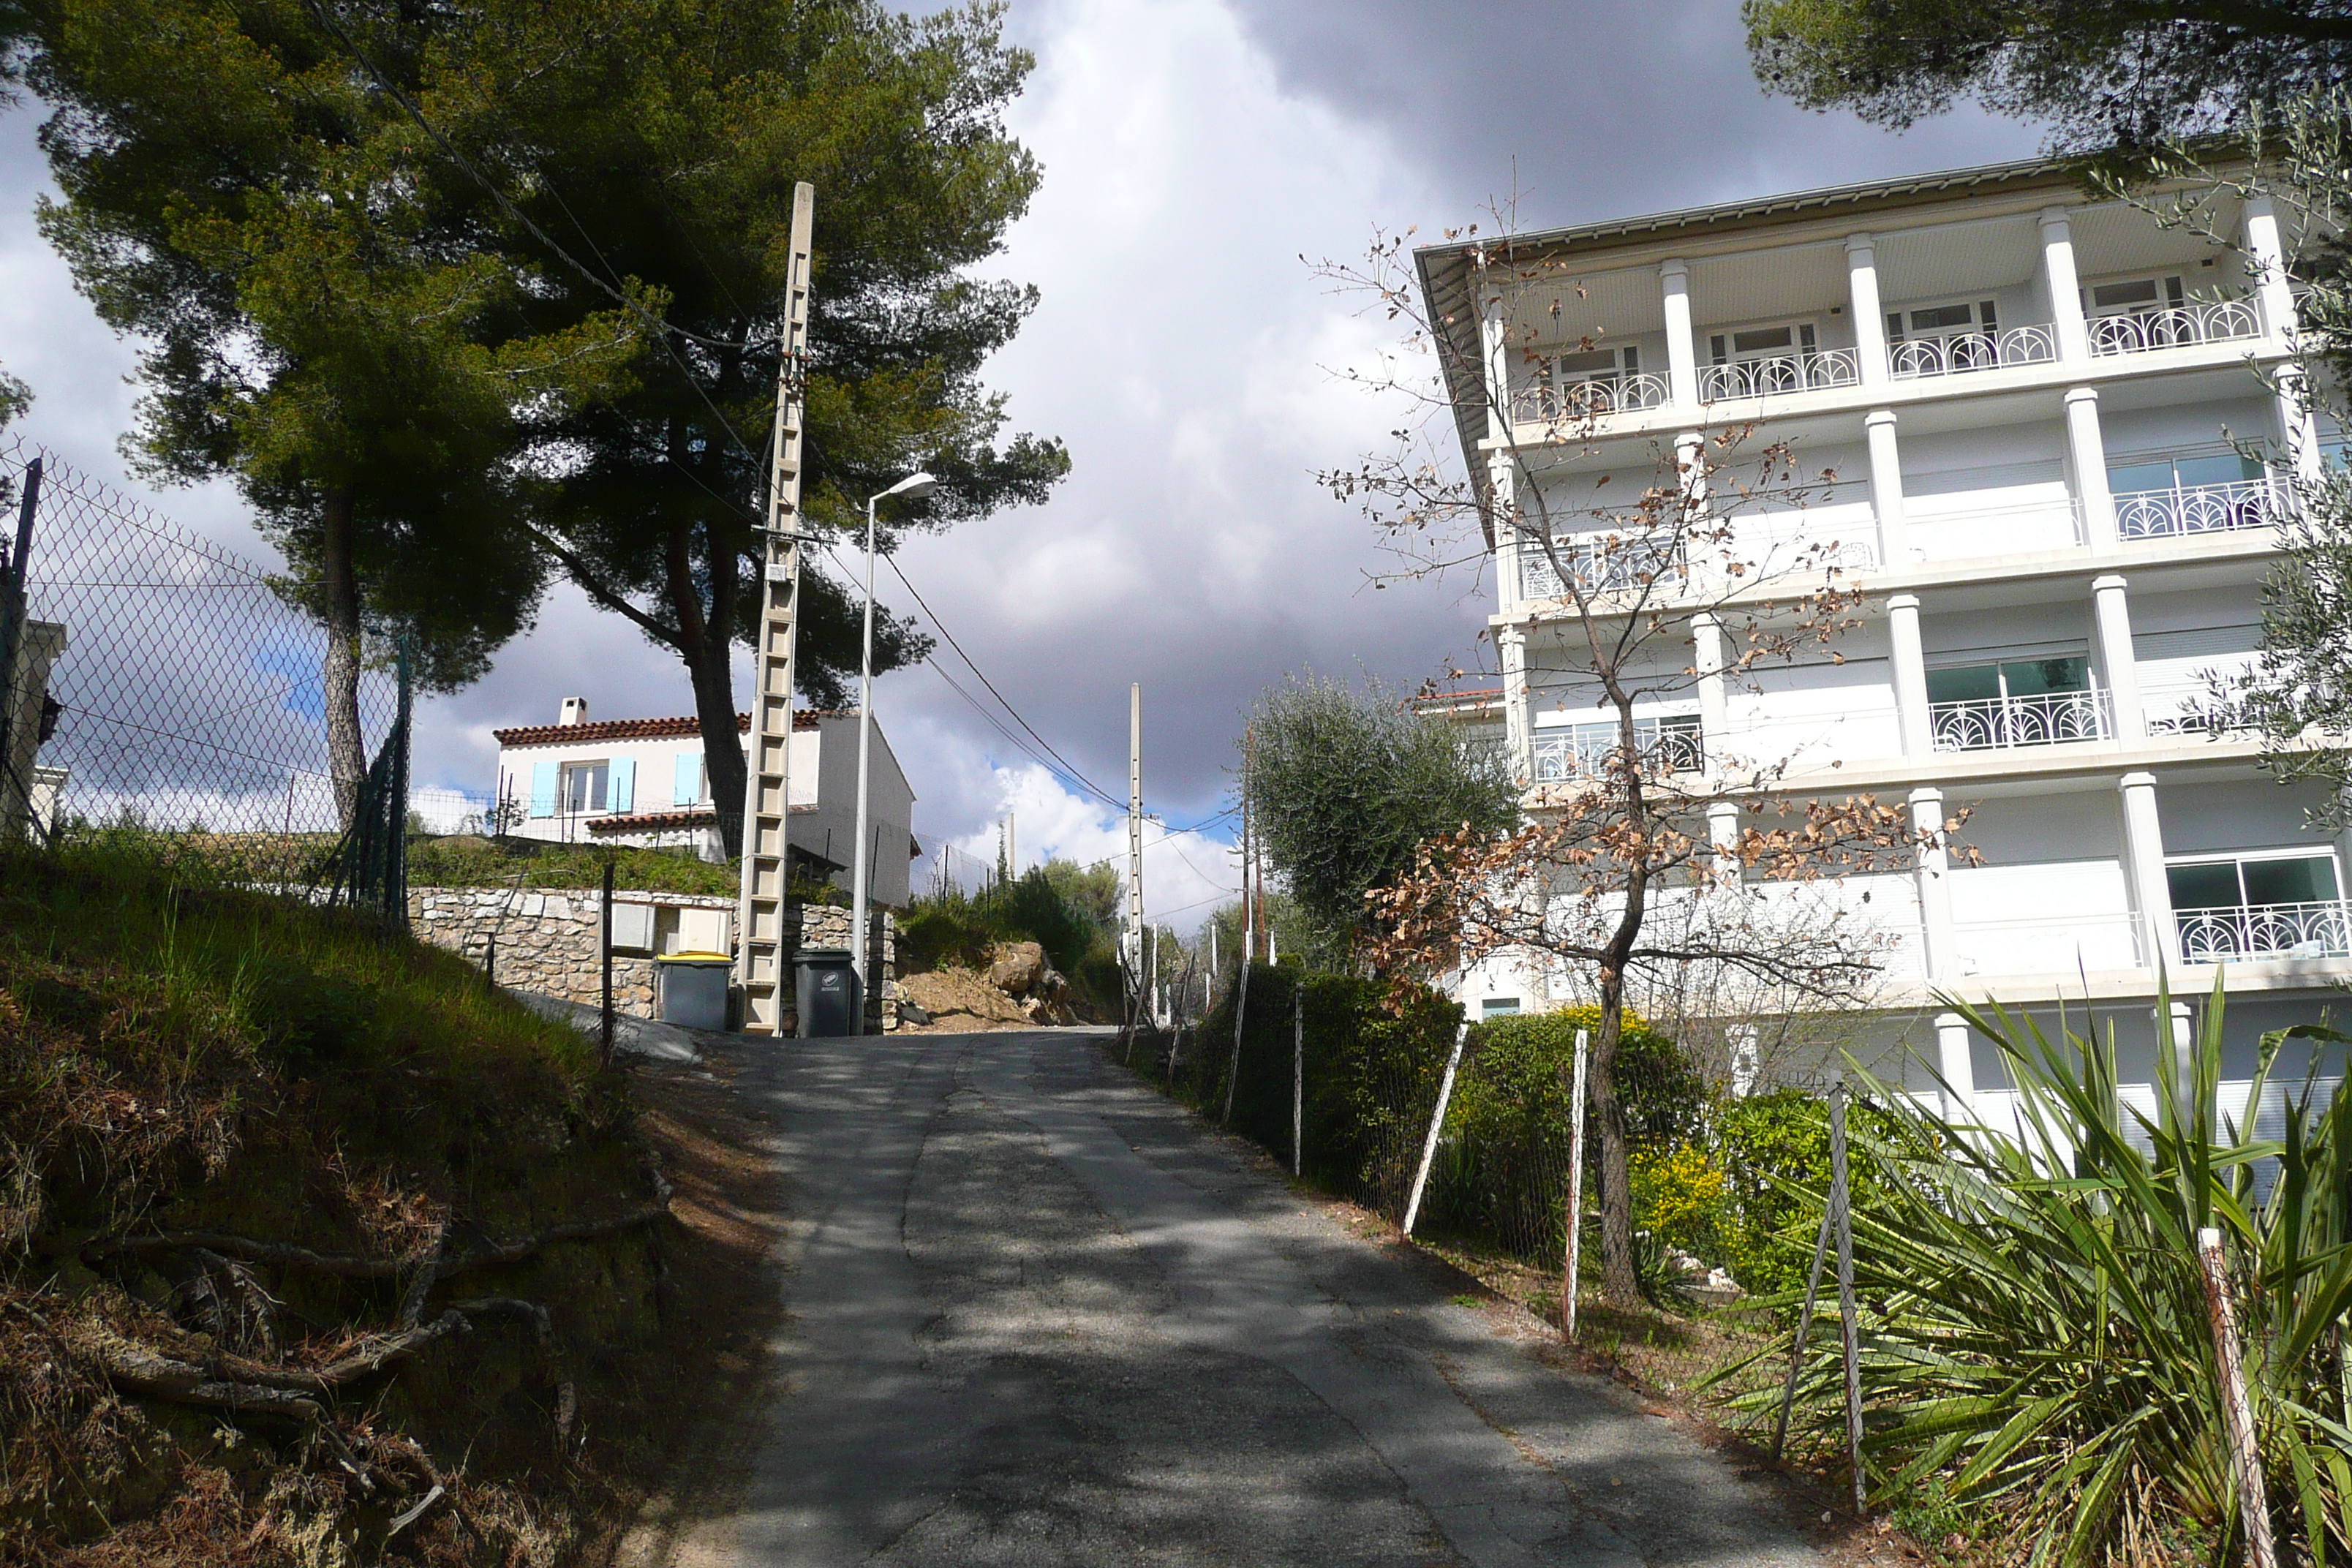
(96, 1249)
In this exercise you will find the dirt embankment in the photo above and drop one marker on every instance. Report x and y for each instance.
(314, 1249)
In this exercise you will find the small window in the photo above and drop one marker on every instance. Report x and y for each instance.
(1943, 321)
(2252, 882)
(1498, 1007)
(2009, 680)
(2135, 296)
(584, 787)
(2159, 474)
(1789, 339)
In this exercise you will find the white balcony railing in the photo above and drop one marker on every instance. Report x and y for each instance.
(1781, 373)
(2005, 723)
(1609, 565)
(2197, 509)
(2206, 321)
(1580, 400)
(2319, 929)
(1960, 351)
(2176, 710)
(1587, 749)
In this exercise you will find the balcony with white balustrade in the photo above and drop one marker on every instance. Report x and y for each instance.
(2007, 724)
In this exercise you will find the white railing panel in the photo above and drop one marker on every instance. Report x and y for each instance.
(2182, 326)
(1617, 563)
(2197, 509)
(2005, 723)
(1778, 374)
(1594, 399)
(2057, 944)
(2318, 930)
(1960, 351)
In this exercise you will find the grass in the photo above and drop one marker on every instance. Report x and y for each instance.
(180, 1054)
(467, 861)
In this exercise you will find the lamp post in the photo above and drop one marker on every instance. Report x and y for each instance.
(914, 486)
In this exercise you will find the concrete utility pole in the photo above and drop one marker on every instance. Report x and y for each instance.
(1013, 844)
(1135, 835)
(761, 963)
(1249, 921)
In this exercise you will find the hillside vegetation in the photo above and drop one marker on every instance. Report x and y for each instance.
(312, 1249)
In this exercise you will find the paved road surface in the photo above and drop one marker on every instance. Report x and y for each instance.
(1038, 1316)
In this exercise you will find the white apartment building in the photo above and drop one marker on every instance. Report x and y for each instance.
(2026, 404)
(643, 782)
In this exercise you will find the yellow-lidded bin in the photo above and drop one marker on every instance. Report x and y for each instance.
(691, 989)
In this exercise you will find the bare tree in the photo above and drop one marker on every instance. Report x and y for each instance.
(1652, 858)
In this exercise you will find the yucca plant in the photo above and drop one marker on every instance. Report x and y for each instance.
(2035, 1345)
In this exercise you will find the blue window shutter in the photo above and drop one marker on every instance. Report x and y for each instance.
(621, 793)
(542, 789)
(685, 788)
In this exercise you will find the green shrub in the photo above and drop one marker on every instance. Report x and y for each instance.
(2037, 1346)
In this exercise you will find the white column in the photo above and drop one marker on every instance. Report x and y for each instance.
(1714, 702)
(1723, 823)
(2143, 849)
(1934, 876)
(1910, 666)
(1511, 644)
(1886, 489)
(2273, 284)
(2088, 448)
(2267, 258)
(1958, 1064)
(1493, 337)
(2065, 287)
(1869, 313)
(1682, 348)
(1502, 479)
(2114, 614)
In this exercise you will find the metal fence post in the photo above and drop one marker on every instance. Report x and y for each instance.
(1241, 1011)
(1841, 1201)
(12, 629)
(1297, 1074)
(1575, 1192)
(1437, 1125)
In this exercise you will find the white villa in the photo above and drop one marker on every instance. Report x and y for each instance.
(2032, 403)
(642, 782)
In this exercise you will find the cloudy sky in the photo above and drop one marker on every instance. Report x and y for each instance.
(1193, 150)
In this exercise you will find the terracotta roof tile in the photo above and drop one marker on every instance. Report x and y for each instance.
(683, 728)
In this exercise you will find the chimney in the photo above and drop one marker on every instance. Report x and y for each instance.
(575, 711)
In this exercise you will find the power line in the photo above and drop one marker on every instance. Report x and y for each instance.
(1102, 794)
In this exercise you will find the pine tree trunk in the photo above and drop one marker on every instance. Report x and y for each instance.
(346, 748)
(723, 742)
(1619, 1281)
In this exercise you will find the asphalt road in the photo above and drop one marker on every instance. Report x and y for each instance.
(1037, 1315)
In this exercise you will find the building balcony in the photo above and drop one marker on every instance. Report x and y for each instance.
(2010, 723)
(1668, 744)
(1780, 373)
(1577, 402)
(1959, 351)
(2181, 326)
(2198, 509)
(2320, 929)
(1611, 565)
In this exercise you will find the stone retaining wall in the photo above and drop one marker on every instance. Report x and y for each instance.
(548, 941)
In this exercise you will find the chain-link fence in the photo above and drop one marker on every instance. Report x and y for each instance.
(163, 684)
(942, 870)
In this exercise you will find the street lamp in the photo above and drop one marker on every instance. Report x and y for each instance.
(914, 486)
